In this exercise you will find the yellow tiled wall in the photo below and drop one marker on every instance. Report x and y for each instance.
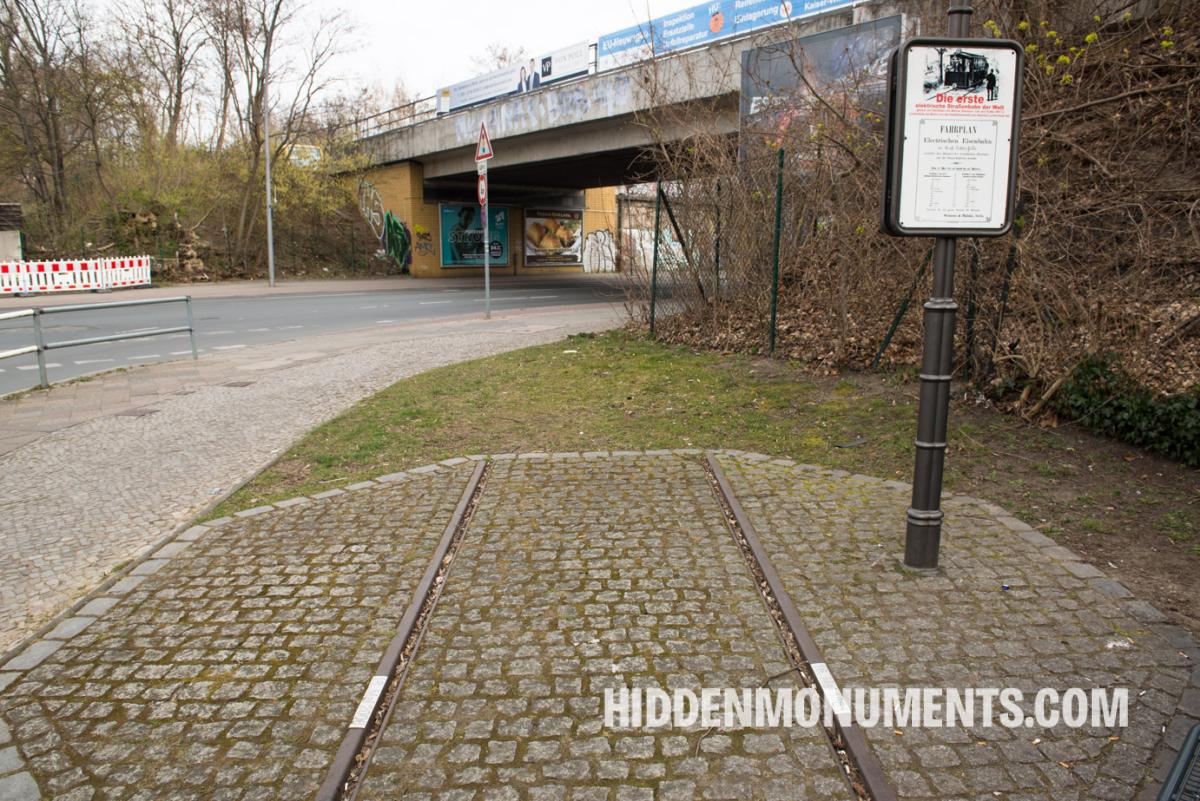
(401, 189)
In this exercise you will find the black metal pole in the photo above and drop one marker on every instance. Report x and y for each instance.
(923, 535)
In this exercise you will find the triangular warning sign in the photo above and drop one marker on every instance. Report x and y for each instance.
(483, 150)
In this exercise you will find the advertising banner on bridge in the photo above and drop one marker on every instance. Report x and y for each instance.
(786, 86)
(553, 237)
(526, 76)
(707, 22)
(462, 235)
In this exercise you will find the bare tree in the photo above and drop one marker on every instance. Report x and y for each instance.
(167, 36)
(497, 56)
(266, 51)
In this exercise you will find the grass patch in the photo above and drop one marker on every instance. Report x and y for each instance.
(606, 392)
(1120, 506)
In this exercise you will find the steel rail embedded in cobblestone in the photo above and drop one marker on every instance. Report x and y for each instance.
(863, 769)
(354, 754)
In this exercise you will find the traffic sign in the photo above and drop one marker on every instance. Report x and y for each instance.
(482, 189)
(483, 149)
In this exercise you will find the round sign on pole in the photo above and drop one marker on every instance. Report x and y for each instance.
(482, 190)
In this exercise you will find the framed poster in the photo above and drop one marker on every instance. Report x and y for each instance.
(553, 237)
(952, 143)
(462, 235)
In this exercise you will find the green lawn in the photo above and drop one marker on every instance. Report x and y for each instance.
(616, 391)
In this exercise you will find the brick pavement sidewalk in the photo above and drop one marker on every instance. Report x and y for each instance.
(229, 665)
(98, 471)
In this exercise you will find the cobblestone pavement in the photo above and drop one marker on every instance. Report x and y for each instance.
(835, 540)
(100, 471)
(228, 664)
(577, 575)
(230, 673)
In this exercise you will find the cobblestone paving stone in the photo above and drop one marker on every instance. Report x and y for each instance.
(577, 575)
(836, 540)
(93, 495)
(231, 671)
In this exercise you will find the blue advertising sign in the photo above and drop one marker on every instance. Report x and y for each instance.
(707, 22)
(462, 235)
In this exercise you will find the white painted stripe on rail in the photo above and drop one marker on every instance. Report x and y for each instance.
(362, 715)
(829, 688)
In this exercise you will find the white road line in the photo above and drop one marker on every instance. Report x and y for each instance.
(542, 297)
(256, 330)
(34, 366)
(227, 347)
(287, 327)
(94, 361)
(381, 322)
(218, 333)
(144, 356)
(433, 302)
(503, 297)
(186, 352)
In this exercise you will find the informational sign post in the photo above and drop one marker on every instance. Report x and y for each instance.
(954, 109)
(483, 152)
(952, 137)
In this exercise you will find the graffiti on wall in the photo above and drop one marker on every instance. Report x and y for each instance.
(394, 237)
(599, 252)
(424, 244)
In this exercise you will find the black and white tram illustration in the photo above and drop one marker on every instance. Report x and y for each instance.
(965, 70)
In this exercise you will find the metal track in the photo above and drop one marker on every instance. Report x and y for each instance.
(862, 768)
(354, 754)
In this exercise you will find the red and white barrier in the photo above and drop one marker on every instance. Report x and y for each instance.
(66, 275)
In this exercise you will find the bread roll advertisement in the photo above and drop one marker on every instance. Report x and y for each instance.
(553, 237)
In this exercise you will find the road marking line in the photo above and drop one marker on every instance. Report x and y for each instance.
(381, 322)
(34, 366)
(433, 302)
(256, 330)
(144, 356)
(185, 352)
(94, 361)
(542, 297)
(287, 327)
(219, 333)
(227, 347)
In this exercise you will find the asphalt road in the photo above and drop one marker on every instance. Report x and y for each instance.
(239, 322)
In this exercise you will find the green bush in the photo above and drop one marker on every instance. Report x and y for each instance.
(1103, 398)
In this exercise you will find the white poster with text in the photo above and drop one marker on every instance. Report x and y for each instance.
(958, 137)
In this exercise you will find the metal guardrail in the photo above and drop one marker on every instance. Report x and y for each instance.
(40, 345)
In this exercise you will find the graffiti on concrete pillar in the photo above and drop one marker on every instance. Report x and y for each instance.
(599, 252)
(393, 234)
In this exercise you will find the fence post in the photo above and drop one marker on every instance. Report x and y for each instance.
(717, 270)
(40, 341)
(775, 269)
(654, 261)
(191, 326)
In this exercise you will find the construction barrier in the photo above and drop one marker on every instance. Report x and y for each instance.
(64, 276)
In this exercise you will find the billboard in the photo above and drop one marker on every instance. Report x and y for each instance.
(846, 67)
(462, 235)
(707, 22)
(553, 237)
(522, 77)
